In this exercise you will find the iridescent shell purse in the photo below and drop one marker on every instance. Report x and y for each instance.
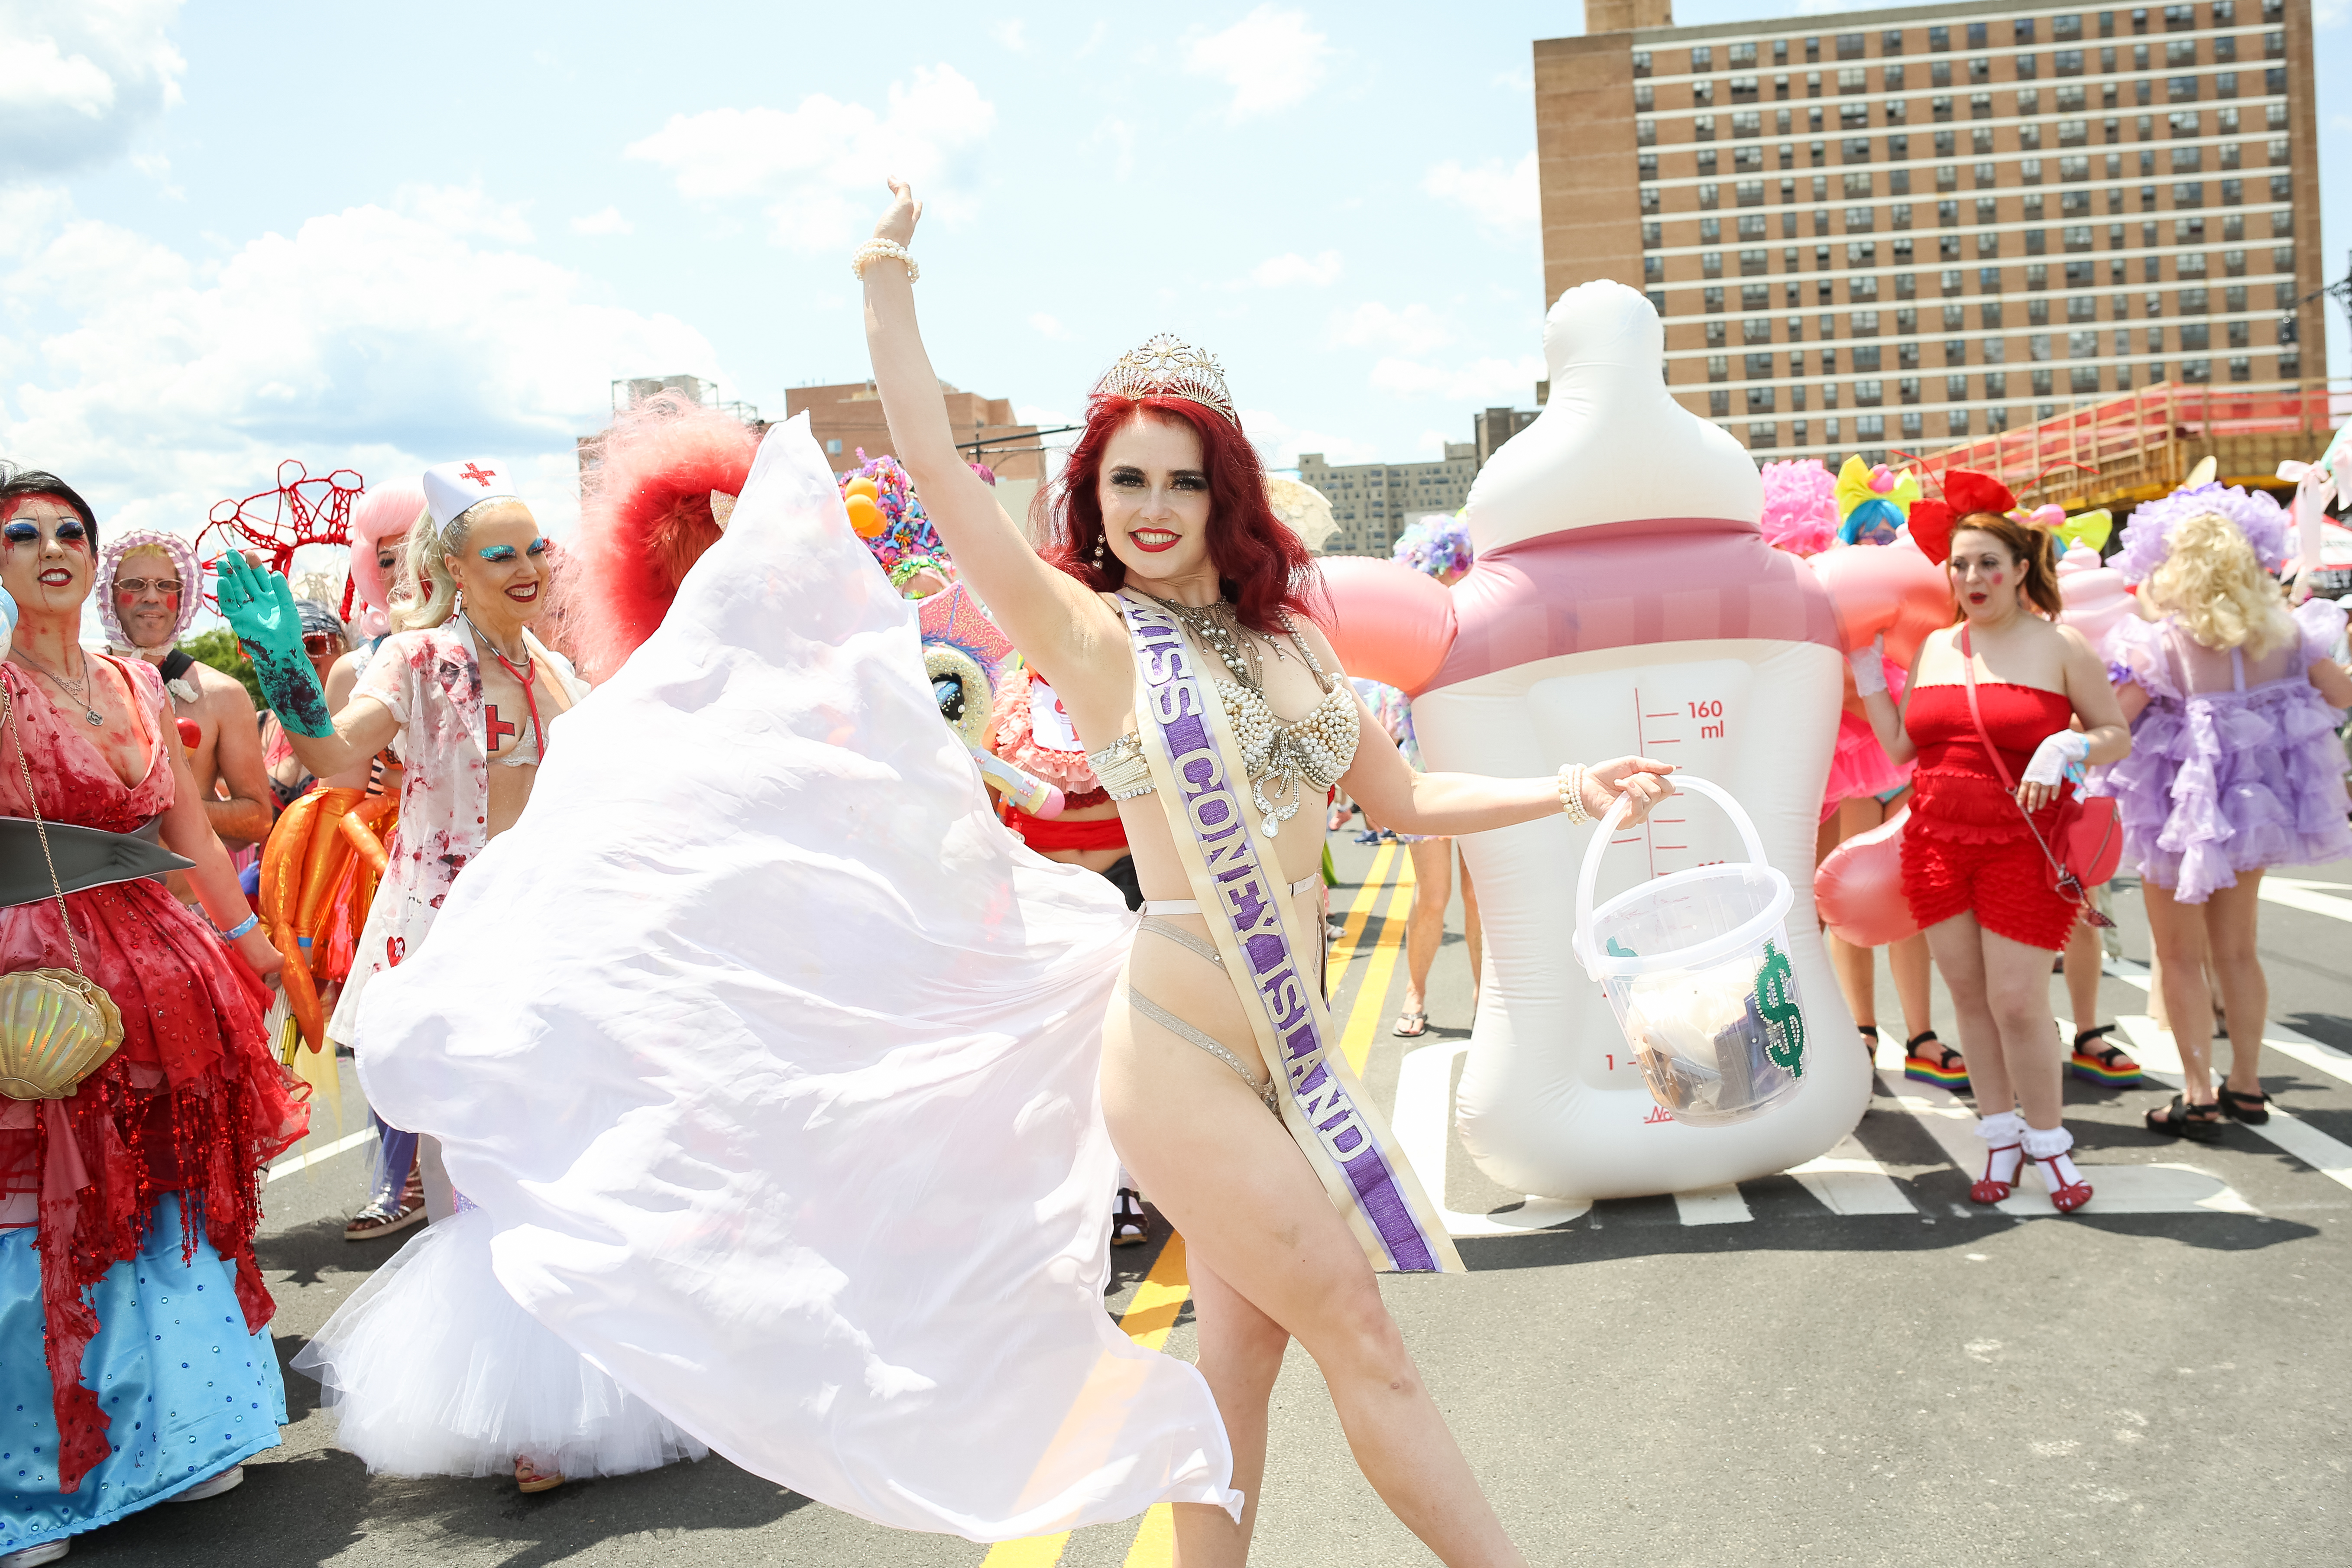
(57, 1025)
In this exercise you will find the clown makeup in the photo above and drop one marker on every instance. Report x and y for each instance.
(501, 553)
(1984, 573)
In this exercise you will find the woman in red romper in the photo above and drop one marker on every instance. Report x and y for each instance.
(1977, 879)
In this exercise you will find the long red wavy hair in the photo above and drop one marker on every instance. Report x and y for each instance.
(645, 521)
(1263, 567)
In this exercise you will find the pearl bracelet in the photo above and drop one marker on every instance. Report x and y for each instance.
(875, 250)
(1571, 792)
(241, 927)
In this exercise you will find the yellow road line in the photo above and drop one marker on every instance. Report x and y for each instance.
(1147, 1320)
(1359, 911)
(1372, 994)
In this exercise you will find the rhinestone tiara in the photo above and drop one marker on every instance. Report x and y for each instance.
(1167, 367)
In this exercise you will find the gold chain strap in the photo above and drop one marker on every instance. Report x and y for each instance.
(25, 769)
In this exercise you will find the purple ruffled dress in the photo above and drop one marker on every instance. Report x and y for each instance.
(2227, 775)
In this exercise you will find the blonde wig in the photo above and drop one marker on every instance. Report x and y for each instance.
(2212, 584)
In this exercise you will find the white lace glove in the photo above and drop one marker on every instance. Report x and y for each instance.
(1869, 667)
(2060, 756)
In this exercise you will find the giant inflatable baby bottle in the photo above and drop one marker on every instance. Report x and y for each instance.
(1622, 601)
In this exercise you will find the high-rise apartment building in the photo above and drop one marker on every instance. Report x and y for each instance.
(1904, 228)
(1373, 502)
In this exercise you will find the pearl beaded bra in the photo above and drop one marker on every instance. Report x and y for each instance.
(1291, 757)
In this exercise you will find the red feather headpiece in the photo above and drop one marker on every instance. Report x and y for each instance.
(1965, 491)
(645, 518)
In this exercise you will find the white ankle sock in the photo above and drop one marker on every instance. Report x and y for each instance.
(2049, 1145)
(2004, 1127)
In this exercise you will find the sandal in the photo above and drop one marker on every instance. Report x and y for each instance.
(1130, 1226)
(1989, 1188)
(2180, 1120)
(381, 1220)
(2104, 1064)
(2253, 1110)
(2066, 1196)
(1411, 1025)
(528, 1477)
(1947, 1068)
(1869, 1039)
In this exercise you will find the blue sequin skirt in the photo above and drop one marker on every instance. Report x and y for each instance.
(186, 1391)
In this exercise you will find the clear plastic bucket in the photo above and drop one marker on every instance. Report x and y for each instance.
(1697, 965)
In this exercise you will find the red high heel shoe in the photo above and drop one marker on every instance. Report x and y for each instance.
(2064, 1196)
(1991, 1189)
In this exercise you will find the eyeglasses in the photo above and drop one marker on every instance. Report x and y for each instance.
(140, 584)
(319, 645)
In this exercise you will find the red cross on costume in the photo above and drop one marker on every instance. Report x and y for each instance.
(494, 729)
(482, 476)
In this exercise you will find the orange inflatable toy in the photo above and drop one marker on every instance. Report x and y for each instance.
(319, 874)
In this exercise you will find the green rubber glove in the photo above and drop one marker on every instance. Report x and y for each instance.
(259, 608)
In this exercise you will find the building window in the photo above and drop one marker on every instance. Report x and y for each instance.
(1713, 299)
(1870, 427)
(1763, 435)
(832, 448)
(1719, 405)
(2197, 372)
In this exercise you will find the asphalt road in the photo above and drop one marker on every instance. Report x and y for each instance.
(1787, 1383)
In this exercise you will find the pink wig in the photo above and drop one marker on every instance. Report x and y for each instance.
(1800, 507)
(645, 519)
(377, 516)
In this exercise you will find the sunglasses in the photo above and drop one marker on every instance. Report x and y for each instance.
(140, 584)
(319, 645)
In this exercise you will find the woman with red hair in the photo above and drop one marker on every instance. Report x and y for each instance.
(1991, 714)
(1173, 610)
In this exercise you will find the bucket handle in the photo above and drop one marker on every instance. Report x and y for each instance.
(1607, 830)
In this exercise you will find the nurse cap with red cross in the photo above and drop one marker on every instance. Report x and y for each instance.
(451, 488)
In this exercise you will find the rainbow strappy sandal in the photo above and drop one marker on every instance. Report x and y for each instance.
(2096, 1063)
(1946, 1068)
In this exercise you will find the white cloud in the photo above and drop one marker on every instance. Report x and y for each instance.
(83, 76)
(1012, 33)
(464, 210)
(818, 169)
(608, 222)
(1119, 135)
(1279, 442)
(2328, 14)
(1503, 201)
(1279, 271)
(1047, 326)
(1491, 379)
(1416, 328)
(1269, 59)
(368, 337)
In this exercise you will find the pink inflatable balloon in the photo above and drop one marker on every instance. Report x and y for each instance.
(1889, 588)
(2096, 597)
(1859, 888)
(1388, 622)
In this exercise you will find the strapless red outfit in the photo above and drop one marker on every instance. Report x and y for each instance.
(1965, 849)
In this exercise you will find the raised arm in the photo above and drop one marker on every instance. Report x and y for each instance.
(1870, 684)
(1051, 617)
(259, 608)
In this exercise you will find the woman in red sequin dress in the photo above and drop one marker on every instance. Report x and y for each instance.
(135, 1360)
(1978, 880)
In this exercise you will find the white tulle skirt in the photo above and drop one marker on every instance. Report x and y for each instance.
(431, 1369)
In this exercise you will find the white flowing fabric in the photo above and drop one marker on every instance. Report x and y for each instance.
(773, 1057)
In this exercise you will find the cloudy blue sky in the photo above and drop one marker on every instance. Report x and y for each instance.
(382, 236)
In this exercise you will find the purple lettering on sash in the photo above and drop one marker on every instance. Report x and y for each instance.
(1320, 1100)
(1186, 735)
(1376, 1190)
